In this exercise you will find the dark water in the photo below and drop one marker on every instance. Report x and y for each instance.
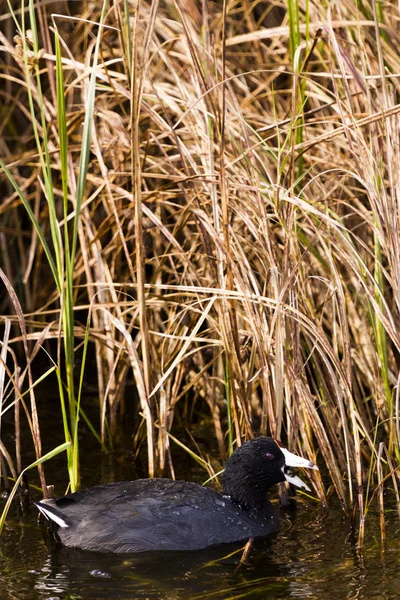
(314, 556)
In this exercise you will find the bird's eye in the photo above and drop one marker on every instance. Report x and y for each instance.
(269, 456)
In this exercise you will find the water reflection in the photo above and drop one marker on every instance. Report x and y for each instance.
(172, 576)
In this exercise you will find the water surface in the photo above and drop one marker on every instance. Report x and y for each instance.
(313, 556)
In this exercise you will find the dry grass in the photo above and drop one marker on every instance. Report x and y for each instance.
(238, 242)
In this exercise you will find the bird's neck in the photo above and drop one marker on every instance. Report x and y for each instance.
(250, 495)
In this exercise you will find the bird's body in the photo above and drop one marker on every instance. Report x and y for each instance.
(161, 514)
(158, 514)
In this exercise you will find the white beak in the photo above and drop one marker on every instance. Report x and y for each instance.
(292, 460)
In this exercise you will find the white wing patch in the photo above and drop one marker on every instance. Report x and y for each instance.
(51, 515)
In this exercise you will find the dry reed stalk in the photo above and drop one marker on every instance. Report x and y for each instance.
(245, 554)
(394, 480)
(3, 359)
(138, 73)
(35, 421)
(381, 503)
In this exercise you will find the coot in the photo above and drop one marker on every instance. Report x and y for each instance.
(161, 514)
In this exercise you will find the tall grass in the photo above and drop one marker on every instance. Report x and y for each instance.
(61, 256)
(221, 194)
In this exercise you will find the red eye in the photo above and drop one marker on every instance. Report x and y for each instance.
(269, 456)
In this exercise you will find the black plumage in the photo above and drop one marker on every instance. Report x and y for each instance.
(161, 514)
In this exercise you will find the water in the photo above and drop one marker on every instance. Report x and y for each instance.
(314, 556)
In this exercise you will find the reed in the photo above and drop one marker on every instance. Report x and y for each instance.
(216, 187)
(61, 256)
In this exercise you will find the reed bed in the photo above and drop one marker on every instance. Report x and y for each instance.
(215, 188)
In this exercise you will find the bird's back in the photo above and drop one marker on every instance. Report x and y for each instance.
(157, 514)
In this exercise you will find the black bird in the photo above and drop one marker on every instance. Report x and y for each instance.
(161, 514)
